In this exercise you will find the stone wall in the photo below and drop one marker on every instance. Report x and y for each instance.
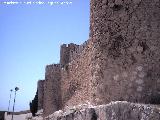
(68, 83)
(70, 52)
(52, 89)
(120, 61)
(78, 51)
(40, 94)
(126, 37)
(76, 78)
(112, 111)
(65, 53)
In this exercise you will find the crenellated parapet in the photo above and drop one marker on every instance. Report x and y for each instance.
(52, 69)
(70, 52)
(74, 54)
(65, 53)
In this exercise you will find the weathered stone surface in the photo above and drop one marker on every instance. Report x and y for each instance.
(65, 53)
(76, 79)
(120, 61)
(126, 36)
(40, 94)
(68, 83)
(112, 111)
(52, 89)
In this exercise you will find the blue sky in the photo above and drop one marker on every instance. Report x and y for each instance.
(30, 38)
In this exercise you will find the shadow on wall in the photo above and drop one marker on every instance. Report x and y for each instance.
(153, 76)
(94, 115)
(154, 99)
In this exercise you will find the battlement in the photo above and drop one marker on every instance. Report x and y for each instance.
(77, 52)
(65, 53)
(52, 68)
(70, 52)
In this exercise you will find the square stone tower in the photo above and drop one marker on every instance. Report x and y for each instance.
(40, 87)
(126, 60)
(52, 89)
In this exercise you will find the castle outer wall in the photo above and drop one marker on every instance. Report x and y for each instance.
(76, 77)
(120, 61)
(40, 88)
(127, 40)
(52, 89)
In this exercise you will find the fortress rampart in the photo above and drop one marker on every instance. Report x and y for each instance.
(78, 51)
(52, 89)
(68, 83)
(76, 78)
(40, 93)
(120, 61)
(126, 36)
(65, 53)
(70, 52)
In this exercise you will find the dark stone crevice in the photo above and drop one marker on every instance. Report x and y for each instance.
(117, 7)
